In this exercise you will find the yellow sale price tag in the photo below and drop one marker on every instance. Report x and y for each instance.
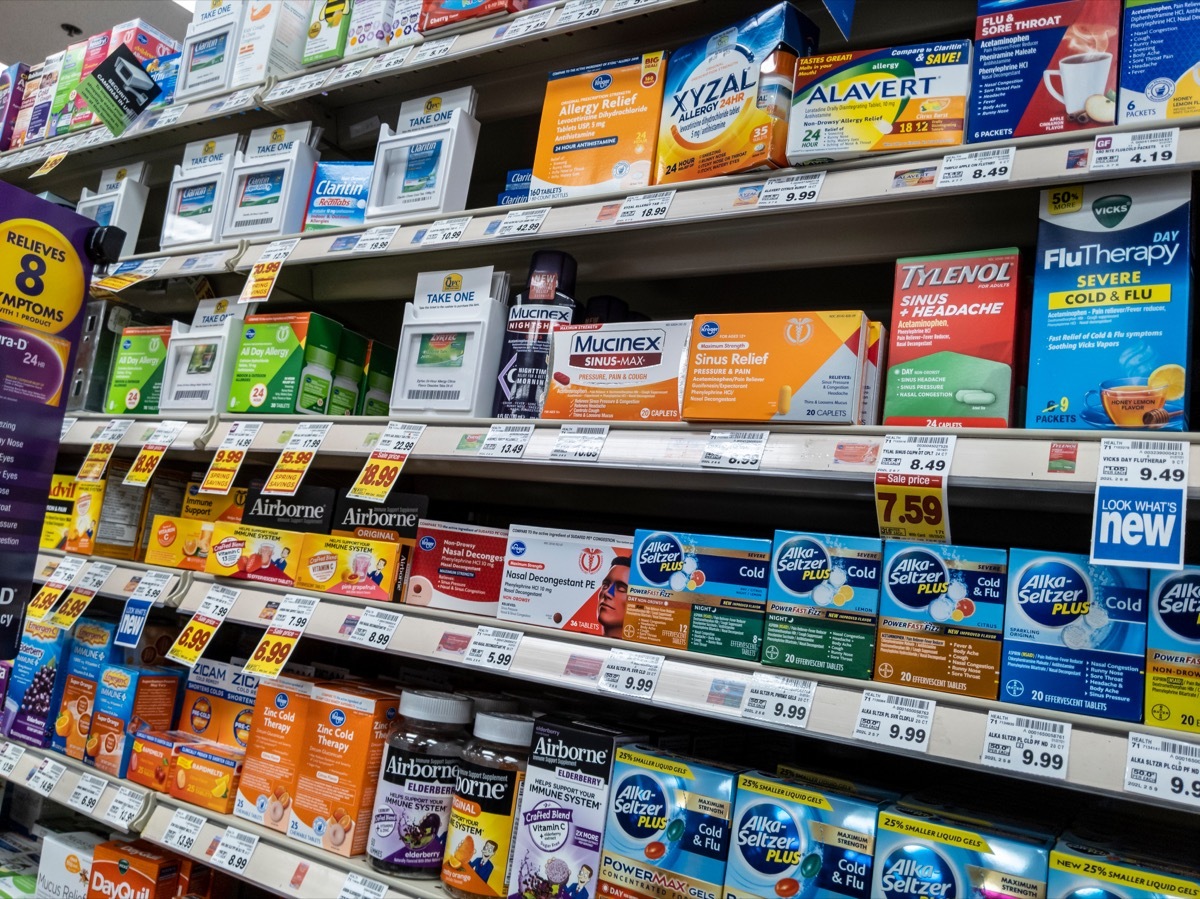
(151, 453)
(910, 487)
(227, 461)
(293, 463)
(96, 462)
(264, 272)
(192, 640)
(274, 649)
(49, 165)
(383, 466)
(63, 577)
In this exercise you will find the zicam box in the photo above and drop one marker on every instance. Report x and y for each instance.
(1160, 53)
(1173, 650)
(267, 555)
(65, 866)
(800, 367)
(394, 520)
(206, 775)
(1081, 868)
(864, 101)
(92, 650)
(60, 512)
(135, 383)
(268, 782)
(1074, 635)
(1110, 340)
(348, 566)
(138, 869)
(285, 363)
(941, 617)
(127, 699)
(823, 603)
(954, 324)
(457, 567)
(39, 674)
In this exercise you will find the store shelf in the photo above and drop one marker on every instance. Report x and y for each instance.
(124, 579)
(88, 425)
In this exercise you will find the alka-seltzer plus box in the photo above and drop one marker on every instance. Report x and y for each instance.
(457, 567)
(954, 325)
(1074, 635)
(1160, 52)
(823, 603)
(941, 616)
(1173, 650)
(1080, 867)
(1110, 339)
(899, 98)
(1043, 67)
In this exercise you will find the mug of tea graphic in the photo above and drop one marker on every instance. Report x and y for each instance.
(1081, 76)
(1129, 402)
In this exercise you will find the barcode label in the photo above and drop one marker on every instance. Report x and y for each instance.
(1187, 750)
(1154, 446)
(591, 430)
(901, 722)
(991, 154)
(1038, 724)
(253, 223)
(907, 702)
(930, 441)
(192, 394)
(434, 394)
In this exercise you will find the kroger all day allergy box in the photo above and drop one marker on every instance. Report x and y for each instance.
(1173, 650)
(1110, 340)
(1160, 49)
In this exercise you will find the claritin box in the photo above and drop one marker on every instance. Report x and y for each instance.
(1173, 650)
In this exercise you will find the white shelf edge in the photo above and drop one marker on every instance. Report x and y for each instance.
(118, 585)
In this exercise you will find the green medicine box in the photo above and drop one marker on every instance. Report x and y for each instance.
(328, 29)
(381, 372)
(135, 381)
(285, 364)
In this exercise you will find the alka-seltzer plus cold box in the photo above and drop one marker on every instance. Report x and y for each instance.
(954, 324)
(1043, 67)
(1173, 650)
(1081, 868)
(823, 603)
(1110, 337)
(899, 98)
(1160, 61)
(457, 567)
(1074, 635)
(941, 616)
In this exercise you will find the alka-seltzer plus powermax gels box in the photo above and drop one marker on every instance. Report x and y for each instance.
(1110, 338)
(1173, 650)
(1043, 67)
(954, 324)
(941, 616)
(1074, 635)
(899, 98)
(1160, 53)
(823, 603)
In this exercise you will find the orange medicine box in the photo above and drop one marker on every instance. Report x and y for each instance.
(179, 543)
(247, 553)
(81, 534)
(798, 367)
(348, 566)
(128, 699)
(150, 761)
(339, 766)
(137, 869)
(213, 506)
(206, 774)
(599, 128)
(268, 782)
(218, 704)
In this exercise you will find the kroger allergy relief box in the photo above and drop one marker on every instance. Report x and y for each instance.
(1110, 339)
(1173, 650)
(1074, 635)
(954, 324)
(1043, 67)
(1160, 53)
(276, 360)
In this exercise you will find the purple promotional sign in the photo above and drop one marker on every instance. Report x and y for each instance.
(44, 273)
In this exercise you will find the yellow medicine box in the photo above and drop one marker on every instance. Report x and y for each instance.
(81, 534)
(212, 506)
(60, 512)
(348, 566)
(177, 542)
(267, 555)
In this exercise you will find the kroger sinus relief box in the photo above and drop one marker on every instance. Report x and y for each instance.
(285, 364)
(1110, 341)
(135, 383)
(348, 566)
(457, 567)
(1160, 49)
(1173, 650)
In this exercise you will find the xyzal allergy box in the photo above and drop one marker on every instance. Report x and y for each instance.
(1160, 50)
(954, 325)
(865, 101)
(1110, 339)
(823, 603)
(1173, 650)
(1043, 67)
(941, 617)
(1075, 635)
(1081, 868)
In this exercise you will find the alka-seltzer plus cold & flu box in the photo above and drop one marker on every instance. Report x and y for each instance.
(1110, 339)
(1173, 650)
(1084, 868)
(954, 324)
(1160, 61)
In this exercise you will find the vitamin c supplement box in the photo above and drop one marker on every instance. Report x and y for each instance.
(1160, 49)
(1173, 650)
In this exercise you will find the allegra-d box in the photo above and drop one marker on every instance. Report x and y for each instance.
(137, 869)
(395, 520)
(941, 617)
(127, 700)
(1160, 49)
(1110, 340)
(864, 101)
(206, 774)
(92, 649)
(177, 542)
(598, 127)
(348, 566)
(798, 367)
(1043, 67)
(268, 782)
(60, 512)
(457, 567)
(954, 325)
(150, 760)
(248, 553)
(626, 371)
(570, 580)
(1173, 650)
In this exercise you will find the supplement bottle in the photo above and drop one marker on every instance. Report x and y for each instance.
(416, 784)
(490, 702)
(316, 380)
(378, 398)
(479, 844)
(348, 374)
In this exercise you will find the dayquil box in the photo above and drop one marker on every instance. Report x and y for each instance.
(65, 866)
(39, 674)
(135, 382)
(339, 765)
(269, 372)
(1173, 650)
(728, 96)
(799, 367)
(627, 371)
(954, 326)
(89, 498)
(440, 13)
(92, 650)
(266, 555)
(212, 506)
(177, 542)
(268, 782)
(941, 617)
(348, 566)
(457, 567)
(395, 520)
(128, 699)
(598, 127)
(150, 760)
(138, 869)
(1160, 50)
(865, 101)
(205, 774)
(1083, 867)
(60, 512)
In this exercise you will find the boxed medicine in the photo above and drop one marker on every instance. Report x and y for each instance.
(338, 196)
(874, 373)
(140, 869)
(244, 552)
(150, 761)
(135, 384)
(1084, 867)
(60, 512)
(1160, 61)
(348, 566)
(1173, 650)
(440, 13)
(92, 650)
(328, 29)
(212, 506)
(206, 775)
(268, 781)
(65, 864)
(127, 699)
(35, 687)
(285, 363)
(89, 499)
(177, 542)
(457, 567)
(395, 520)
(308, 511)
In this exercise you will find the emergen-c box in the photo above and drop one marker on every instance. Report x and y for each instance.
(1160, 61)
(457, 567)
(1043, 67)
(1173, 650)
(1110, 340)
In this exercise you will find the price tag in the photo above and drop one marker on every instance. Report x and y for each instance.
(375, 627)
(492, 647)
(86, 795)
(81, 596)
(234, 101)
(386, 461)
(580, 11)
(102, 448)
(50, 164)
(1140, 509)
(911, 478)
(204, 264)
(276, 645)
(626, 5)
(10, 756)
(47, 597)
(235, 850)
(505, 442)
(45, 777)
(431, 50)
(774, 699)
(386, 62)
(137, 607)
(1135, 150)
(1026, 744)
(735, 450)
(348, 71)
(227, 461)
(646, 207)
(529, 24)
(630, 673)
(904, 722)
(979, 167)
(195, 636)
(294, 86)
(791, 190)
(376, 240)
(65, 428)
(129, 273)
(125, 807)
(579, 443)
(359, 887)
(297, 456)
(1164, 768)
(183, 830)
(261, 280)
(445, 231)
(522, 222)
(170, 116)
(152, 452)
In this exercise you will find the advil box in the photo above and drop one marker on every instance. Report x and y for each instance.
(137, 869)
(1173, 650)
(60, 512)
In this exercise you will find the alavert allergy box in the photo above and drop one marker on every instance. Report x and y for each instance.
(1173, 650)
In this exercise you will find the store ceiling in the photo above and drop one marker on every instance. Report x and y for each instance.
(31, 31)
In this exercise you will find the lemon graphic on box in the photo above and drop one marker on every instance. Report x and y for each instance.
(1171, 376)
